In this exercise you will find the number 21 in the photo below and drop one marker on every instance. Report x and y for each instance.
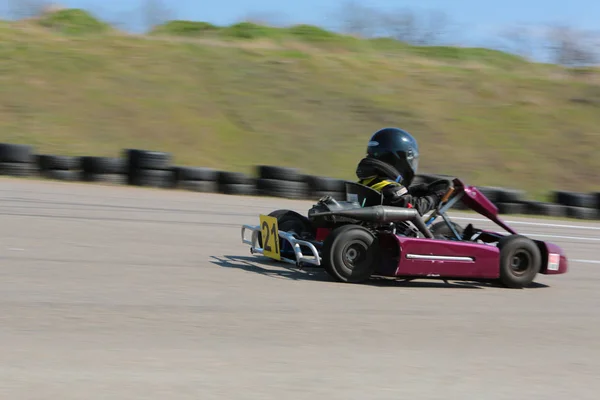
(270, 232)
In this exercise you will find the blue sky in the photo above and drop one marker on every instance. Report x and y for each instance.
(477, 20)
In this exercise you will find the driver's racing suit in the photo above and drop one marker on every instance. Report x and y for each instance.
(421, 197)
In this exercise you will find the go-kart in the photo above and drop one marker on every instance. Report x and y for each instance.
(360, 237)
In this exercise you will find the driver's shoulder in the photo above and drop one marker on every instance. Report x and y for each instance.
(382, 183)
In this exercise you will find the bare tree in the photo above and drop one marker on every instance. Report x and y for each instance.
(356, 19)
(572, 47)
(436, 27)
(154, 12)
(274, 19)
(520, 39)
(404, 25)
(401, 25)
(425, 29)
(19, 9)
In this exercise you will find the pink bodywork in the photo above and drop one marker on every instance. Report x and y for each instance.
(549, 251)
(477, 201)
(418, 257)
(483, 263)
(484, 260)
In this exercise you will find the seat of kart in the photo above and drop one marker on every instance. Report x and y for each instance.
(363, 195)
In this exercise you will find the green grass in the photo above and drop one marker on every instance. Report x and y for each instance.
(233, 97)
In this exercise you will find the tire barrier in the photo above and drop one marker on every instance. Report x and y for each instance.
(583, 213)
(281, 182)
(103, 169)
(154, 169)
(547, 209)
(197, 179)
(149, 168)
(236, 183)
(319, 186)
(17, 160)
(62, 168)
(512, 208)
(571, 199)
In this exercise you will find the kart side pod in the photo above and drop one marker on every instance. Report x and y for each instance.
(384, 214)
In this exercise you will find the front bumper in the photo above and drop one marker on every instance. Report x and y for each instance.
(556, 260)
(299, 258)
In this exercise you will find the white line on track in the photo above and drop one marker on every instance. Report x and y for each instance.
(595, 228)
(587, 261)
(562, 237)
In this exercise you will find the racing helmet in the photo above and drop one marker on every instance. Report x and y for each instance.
(398, 149)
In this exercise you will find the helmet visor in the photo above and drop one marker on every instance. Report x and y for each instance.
(412, 158)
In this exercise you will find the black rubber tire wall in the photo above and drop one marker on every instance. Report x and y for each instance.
(149, 168)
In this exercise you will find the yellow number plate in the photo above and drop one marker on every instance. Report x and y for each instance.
(270, 236)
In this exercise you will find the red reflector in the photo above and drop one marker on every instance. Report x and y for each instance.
(409, 206)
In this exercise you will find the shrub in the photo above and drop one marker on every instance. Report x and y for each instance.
(184, 28)
(73, 21)
(311, 33)
(248, 30)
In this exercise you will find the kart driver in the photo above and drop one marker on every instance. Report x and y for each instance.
(390, 166)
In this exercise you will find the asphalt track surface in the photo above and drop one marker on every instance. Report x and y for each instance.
(125, 293)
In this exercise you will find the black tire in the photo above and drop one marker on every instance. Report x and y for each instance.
(512, 208)
(234, 178)
(103, 165)
(279, 173)
(47, 162)
(195, 174)
(324, 184)
(17, 169)
(492, 193)
(523, 251)
(280, 188)
(238, 189)
(146, 159)
(546, 209)
(510, 195)
(291, 222)
(442, 231)
(339, 196)
(351, 241)
(199, 186)
(582, 213)
(62, 175)
(596, 197)
(152, 178)
(16, 153)
(104, 178)
(574, 199)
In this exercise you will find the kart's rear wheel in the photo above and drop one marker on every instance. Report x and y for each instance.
(291, 222)
(520, 261)
(350, 254)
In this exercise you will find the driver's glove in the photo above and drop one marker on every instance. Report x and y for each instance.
(419, 190)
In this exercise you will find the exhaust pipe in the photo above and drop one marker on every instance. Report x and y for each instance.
(383, 214)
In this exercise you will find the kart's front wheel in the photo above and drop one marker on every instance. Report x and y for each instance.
(350, 254)
(520, 261)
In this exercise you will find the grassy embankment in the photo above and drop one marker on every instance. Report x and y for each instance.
(231, 97)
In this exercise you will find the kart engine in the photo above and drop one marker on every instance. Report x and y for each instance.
(329, 204)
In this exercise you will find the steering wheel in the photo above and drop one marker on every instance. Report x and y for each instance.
(446, 197)
(447, 194)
